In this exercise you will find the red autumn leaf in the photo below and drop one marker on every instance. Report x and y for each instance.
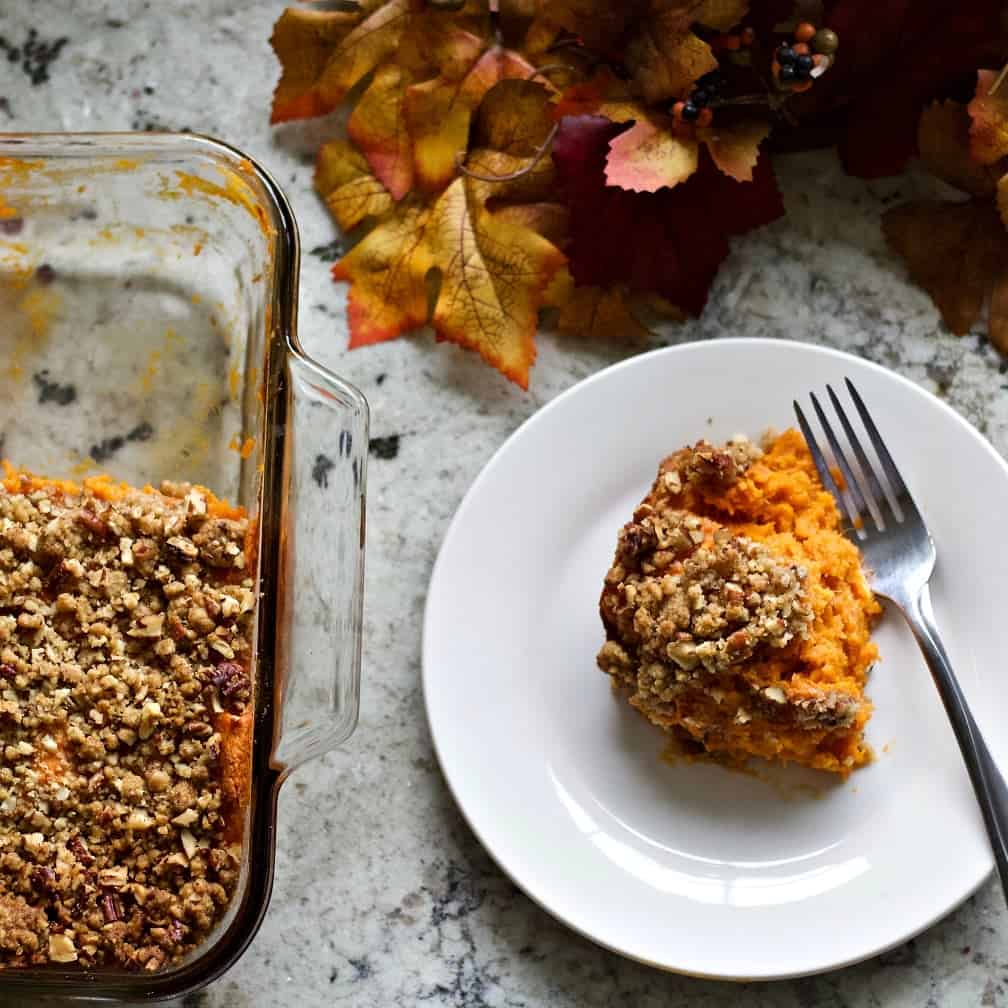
(894, 58)
(670, 242)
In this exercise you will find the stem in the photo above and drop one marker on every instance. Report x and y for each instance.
(495, 22)
(521, 172)
(543, 70)
(999, 81)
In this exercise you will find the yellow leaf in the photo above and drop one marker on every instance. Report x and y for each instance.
(350, 191)
(548, 219)
(665, 63)
(600, 313)
(735, 149)
(376, 126)
(989, 130)
(515, 116)
(509, 179)
(314, 48)
(439, 112)
(721, 15)
(493, 275)
(649, 156)
(387, 271)
(944, 144)
(597, 24)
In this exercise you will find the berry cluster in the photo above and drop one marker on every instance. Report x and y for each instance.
(797, 64)
(695, 108)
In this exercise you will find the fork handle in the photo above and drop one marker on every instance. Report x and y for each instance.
(989, 785)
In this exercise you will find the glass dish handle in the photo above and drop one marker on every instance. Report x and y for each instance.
(321, 576)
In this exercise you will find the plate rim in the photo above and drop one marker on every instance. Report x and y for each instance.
(426, 635)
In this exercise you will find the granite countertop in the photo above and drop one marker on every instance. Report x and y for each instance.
(383, 896)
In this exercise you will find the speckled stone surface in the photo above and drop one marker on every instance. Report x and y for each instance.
(383, 897)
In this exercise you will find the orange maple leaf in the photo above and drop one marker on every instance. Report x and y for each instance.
(490, 270)
(594, 312)
(324, 54)
(439, 111)
(344, 181)
(655, 37)
(377, 127)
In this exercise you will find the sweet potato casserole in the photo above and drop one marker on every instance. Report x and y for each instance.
(737, 615)
(125, 719)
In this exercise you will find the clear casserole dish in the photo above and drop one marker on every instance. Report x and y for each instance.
(148, 298)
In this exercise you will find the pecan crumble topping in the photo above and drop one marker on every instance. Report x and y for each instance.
(125, 622)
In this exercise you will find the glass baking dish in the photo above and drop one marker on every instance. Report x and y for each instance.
(148, 298)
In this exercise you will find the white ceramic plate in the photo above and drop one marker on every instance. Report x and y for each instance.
(693, 867)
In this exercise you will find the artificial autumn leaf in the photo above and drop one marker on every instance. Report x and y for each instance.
(493, 269)
(547, 219)
(956, 251)
(894, 58)
(653, 154)
(325, 53)
(493, 275)
(303, 39)
(719, 14)
(943, 140)
(653, 39)
(989, 129)
(515, 116)
(670, 242)
(663, 61)
(600, 94)
(376, 126)
(387, 271)
(595, 312)
(350, 191)
(649, 156)
(439, 111)
(735, 148)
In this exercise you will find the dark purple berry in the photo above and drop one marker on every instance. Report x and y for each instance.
(786, 55)
(690, 112)
(700, 97)
(787, 74)
(802, 75)
(804, 62)
(711, 81)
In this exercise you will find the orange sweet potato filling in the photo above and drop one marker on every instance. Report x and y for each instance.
(780, 500)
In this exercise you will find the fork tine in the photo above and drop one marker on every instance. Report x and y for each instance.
(824, 473)
(895, 480)
(852, 486)
(874, 488)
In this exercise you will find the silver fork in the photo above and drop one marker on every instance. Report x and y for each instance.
(886, 525)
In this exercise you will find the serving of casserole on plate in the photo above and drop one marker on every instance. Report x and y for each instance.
(737, 614)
